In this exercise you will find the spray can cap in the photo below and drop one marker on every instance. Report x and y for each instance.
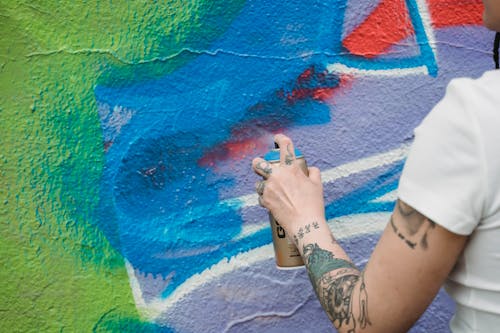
(274, 154)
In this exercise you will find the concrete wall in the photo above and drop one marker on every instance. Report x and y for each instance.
(127, 131)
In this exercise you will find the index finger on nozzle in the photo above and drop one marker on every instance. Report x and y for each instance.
(287, 151)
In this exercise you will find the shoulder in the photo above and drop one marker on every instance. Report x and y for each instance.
(471, 93)
(453, 149)
(487, 81)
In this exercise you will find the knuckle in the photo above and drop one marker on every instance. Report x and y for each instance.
(270, 186)
(282, 138)
(286, 141)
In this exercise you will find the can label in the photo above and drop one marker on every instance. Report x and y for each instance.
(286, 253)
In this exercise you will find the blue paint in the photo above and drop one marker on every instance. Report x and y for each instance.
(159, 206)
(360, 201)
(427, 55)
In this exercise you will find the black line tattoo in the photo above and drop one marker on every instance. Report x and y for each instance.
(363, 303)
(334, 280)
(414, 227)
(407, 212)
(289, 156)
(264, 167)
(400, 235)
(404, 209)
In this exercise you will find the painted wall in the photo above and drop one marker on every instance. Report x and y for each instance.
(127, 131)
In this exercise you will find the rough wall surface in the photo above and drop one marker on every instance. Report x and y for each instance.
(127, 131)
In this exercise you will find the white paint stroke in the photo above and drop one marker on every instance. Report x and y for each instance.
(426, 20)
(152, 310)
(388, 197)
(342, 227)
(338, 172)
(425, 15)
(365, 164)
(249, 229)
(144, 310)
(340, 68)
(330, 175)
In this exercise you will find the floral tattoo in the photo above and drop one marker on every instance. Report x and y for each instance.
(334, 280)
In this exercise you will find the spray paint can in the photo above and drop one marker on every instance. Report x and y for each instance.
(286, 253)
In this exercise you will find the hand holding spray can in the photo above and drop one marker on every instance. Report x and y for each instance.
(286, 253)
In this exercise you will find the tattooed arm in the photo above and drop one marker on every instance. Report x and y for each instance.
(404, 273)
(336, 281)
(408, 266)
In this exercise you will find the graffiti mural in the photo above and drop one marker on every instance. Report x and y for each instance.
(130, 140)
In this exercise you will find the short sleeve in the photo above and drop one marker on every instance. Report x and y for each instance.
(443, 176)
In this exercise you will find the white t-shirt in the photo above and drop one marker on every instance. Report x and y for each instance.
(452, 176)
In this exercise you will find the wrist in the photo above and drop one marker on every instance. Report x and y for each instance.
(312, 230)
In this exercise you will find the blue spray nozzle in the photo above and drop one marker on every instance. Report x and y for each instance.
(274, 154)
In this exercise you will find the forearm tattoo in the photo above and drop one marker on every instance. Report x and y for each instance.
(413, 227)
(334, 281)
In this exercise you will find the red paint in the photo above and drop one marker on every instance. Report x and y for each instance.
(325, 94)
(447, 13)
(386, 25)
(318, 85)
(247, 139)
(321, 94)
(390, 23)
(236, 149)
(306, 75)
(252, 137)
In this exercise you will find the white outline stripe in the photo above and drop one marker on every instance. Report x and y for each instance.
(342, 227)
(344, 69)
(338, 172)
(426, 20)
(388, 197)
(331, 175)
(425, 15)
(365, 164)
(250, 200)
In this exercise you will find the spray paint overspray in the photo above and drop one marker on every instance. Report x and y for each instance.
(161, 143)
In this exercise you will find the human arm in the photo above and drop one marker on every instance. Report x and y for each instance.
(406, 269)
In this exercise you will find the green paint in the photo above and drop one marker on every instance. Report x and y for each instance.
(58, 271)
